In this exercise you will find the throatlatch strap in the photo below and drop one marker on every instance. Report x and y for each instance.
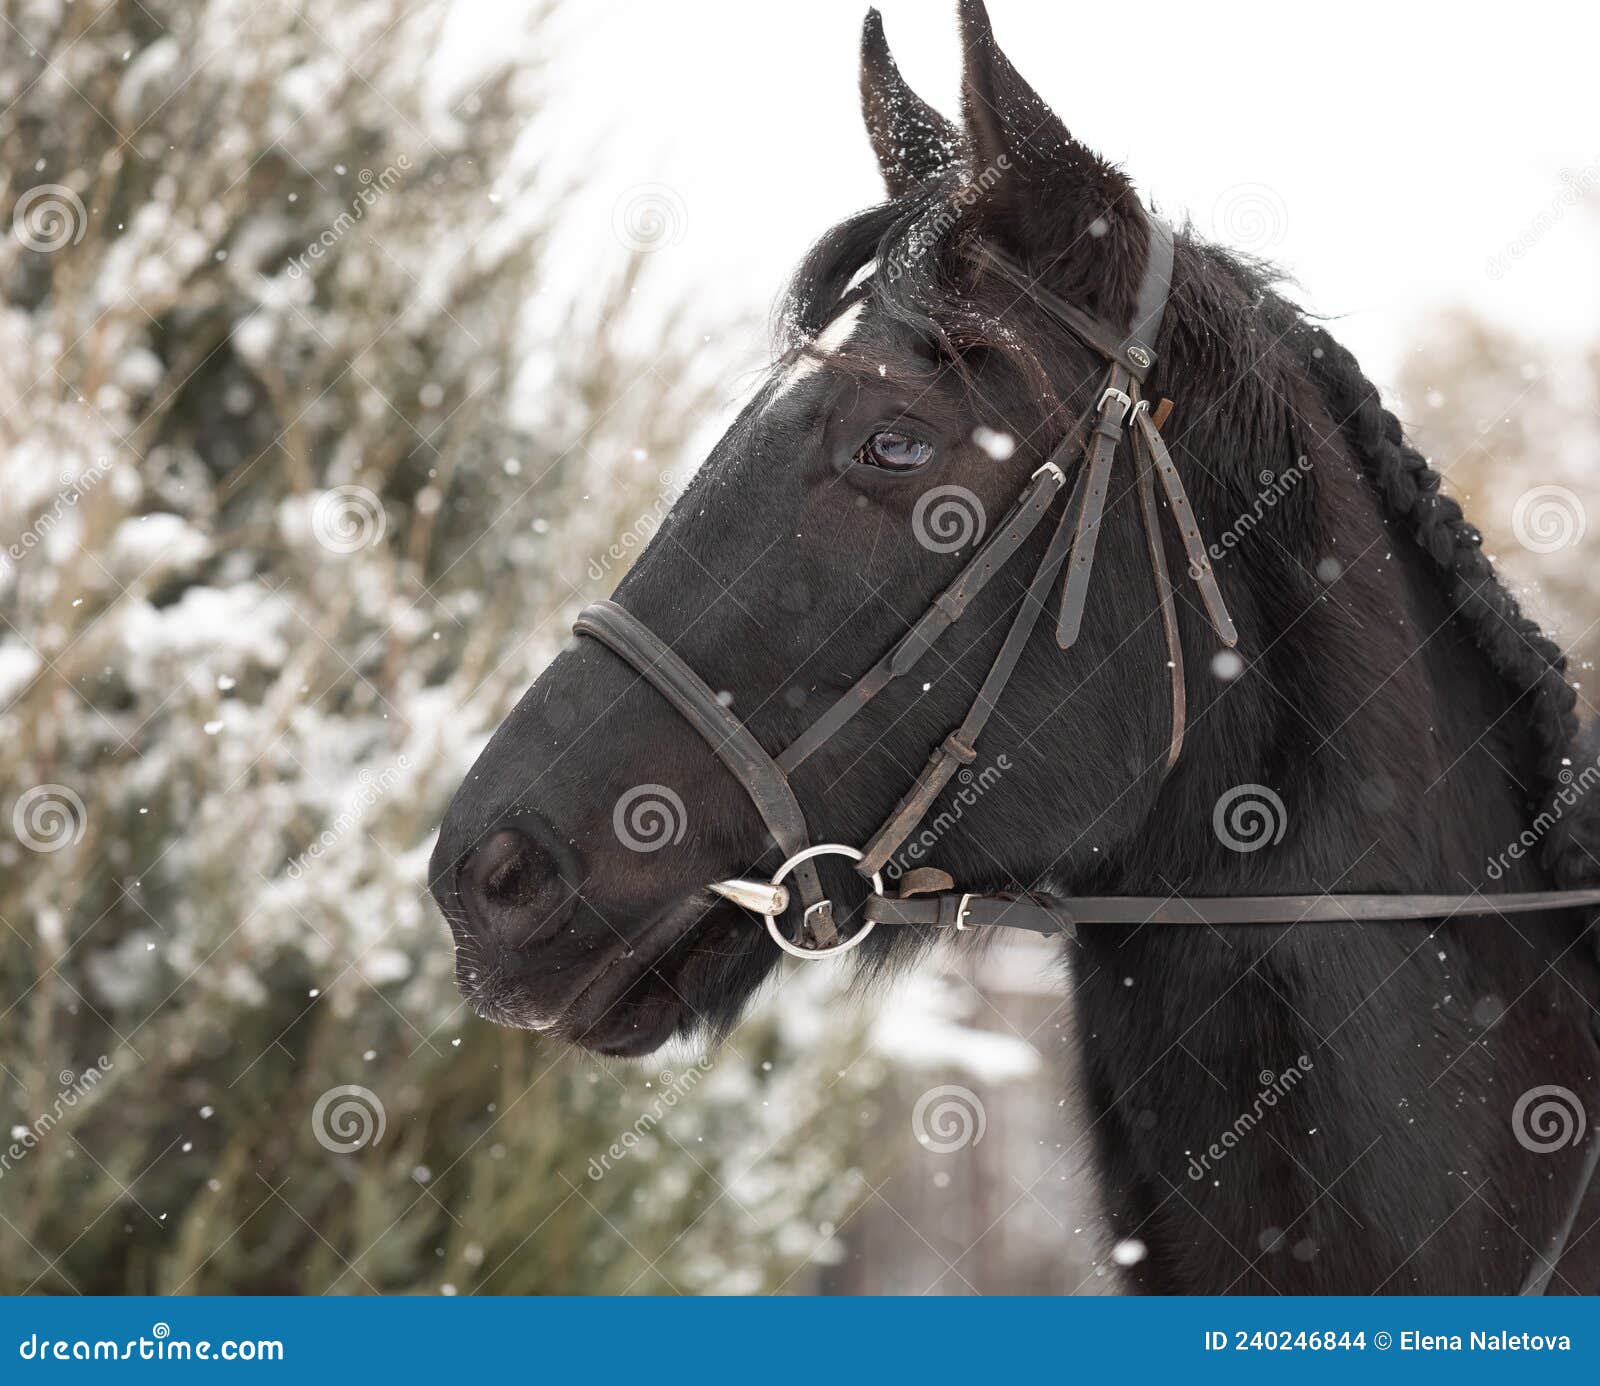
(1148, 437)
(1150, 516)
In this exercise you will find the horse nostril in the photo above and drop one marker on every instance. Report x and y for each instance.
(512, 888)
(507, 874)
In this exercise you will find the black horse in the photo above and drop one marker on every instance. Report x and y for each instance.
(1290, 1108)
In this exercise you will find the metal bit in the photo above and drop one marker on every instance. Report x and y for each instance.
(760, 897)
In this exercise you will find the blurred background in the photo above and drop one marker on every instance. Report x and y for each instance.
(347, 351)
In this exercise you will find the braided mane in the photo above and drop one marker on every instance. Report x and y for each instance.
(1527, 661)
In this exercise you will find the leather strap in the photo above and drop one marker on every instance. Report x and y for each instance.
(1150, 518)
(1036, 914)
(766, 779)
(1112, 409)
(1057, 915)
(960, 747)
(1155, 285)
(948, 608)
(768, 787)
(1148, 438)
(1134, 352)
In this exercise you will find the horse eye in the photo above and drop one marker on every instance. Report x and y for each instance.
(894, 452)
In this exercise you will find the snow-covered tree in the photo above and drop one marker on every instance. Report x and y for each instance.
(302, 471)
(1511, 424)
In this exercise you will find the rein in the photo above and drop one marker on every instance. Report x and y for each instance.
(928, 897)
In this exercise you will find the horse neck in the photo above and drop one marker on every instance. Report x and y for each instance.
(1367, 709)
(1400, 758)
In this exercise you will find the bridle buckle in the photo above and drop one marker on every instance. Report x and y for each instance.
(1115, 396)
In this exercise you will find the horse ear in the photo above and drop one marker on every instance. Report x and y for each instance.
(1044, 189)
(913, 141)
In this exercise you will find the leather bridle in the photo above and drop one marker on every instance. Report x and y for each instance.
(928, 897)
(1119, 410)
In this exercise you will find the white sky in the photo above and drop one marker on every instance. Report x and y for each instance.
(1394, 149)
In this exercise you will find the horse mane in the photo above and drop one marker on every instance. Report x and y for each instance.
(915, 250)
(1530, 664)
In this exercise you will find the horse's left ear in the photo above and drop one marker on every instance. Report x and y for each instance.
(1044, 191)
(913, 142)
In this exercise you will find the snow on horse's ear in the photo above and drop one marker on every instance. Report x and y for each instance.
(1044, 195)
(913, 142)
